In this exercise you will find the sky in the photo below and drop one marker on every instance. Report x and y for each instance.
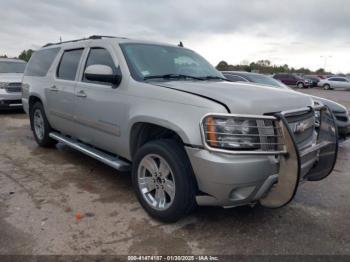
(300, 33)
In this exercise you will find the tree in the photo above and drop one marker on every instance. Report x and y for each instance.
(26, 54)
(3, 56)
(222, 66)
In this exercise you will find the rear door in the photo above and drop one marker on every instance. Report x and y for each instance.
(61, 95)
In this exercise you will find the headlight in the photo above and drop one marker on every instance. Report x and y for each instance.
(239, 133)
(3, 85)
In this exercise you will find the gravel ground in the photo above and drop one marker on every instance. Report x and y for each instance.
(42, 191)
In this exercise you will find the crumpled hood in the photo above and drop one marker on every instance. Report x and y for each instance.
(243, 98)
(11, 78)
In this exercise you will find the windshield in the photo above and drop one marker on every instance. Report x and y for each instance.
(12, 67)
(148, 61)
(265, 80)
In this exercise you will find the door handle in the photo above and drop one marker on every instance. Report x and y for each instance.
(54, 88)
(81, 93)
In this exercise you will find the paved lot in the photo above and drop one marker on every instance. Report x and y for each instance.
(41, 190)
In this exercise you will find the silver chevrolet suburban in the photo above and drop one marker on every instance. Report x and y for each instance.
(189, 136)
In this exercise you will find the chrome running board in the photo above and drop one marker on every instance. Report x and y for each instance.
(105, 158)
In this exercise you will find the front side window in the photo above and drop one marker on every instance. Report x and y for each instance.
(8, 67)
(40, 62)
(147, 60)
(68, 66)
(99, 56)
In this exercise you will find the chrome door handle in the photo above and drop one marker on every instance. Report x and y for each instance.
(54, 88)
(81, 93)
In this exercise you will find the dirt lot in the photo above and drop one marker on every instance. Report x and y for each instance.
(41, 191)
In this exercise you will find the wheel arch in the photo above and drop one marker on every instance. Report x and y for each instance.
(144, 131)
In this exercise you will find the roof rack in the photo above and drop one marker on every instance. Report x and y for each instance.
(92, 37)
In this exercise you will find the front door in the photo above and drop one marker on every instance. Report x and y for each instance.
(99, 106)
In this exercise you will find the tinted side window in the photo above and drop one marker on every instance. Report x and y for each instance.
(234, 78)
(99, 56)
(68, 66)
(40, 62)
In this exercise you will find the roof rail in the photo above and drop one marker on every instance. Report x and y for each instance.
(92, 37)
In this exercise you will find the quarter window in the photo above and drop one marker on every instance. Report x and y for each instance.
(68, 66)
(40, 62)
(99, 56)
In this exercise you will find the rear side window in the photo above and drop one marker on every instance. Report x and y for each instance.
(99, 56)
(68, 66)
(235, 78)
(41, 61)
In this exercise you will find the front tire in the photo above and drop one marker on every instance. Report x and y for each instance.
(40, 126)
(326, 87)
(163, 179)
(300, 85)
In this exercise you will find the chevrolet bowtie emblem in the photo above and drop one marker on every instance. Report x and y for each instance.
(303, 125)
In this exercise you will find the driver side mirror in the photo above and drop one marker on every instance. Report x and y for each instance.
(102, 73)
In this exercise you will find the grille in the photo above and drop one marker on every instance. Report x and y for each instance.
(342, 118)
(302, 125)
(14, 87)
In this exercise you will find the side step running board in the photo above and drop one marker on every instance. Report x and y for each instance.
(108, 159)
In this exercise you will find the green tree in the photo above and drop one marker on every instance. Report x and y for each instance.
(3, 56)
(26, 54)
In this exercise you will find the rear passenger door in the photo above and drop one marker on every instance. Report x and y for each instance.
(61, 95)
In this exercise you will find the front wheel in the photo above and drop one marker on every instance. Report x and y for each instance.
(40, 126)
(326, 87)
(163, 180)
(300, 85)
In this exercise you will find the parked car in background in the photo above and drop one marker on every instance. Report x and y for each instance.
(11, 73)
(292, 80)
(313, 79)
(339, 111)
(187, 134)
(335, 82)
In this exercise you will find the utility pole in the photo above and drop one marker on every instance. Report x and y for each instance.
(325, 57)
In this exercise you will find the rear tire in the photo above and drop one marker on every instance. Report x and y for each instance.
(163, 179)
(326, 87)
(40, 126)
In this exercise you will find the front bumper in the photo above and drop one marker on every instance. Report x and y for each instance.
(10, 100)
(230, 180)
(343, 123)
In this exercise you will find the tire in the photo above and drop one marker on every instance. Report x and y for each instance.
(300, 85)
(326, 87)
(40, 126)
(180, 175)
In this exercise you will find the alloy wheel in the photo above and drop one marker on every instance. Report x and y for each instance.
(156, 182)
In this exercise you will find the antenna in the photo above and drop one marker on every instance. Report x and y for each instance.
(180, 44)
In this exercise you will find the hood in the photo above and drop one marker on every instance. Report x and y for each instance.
(10, 78)
(243, 98)
(335, 107)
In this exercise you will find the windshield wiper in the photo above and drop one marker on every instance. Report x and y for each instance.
(174, 76)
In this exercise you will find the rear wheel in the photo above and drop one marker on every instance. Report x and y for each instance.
(326, 87)
(163, 180)
(40, 126)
